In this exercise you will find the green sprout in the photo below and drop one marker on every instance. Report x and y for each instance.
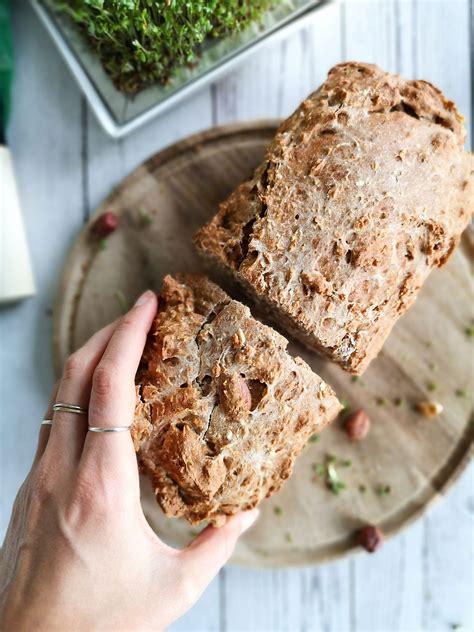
(142, 42)
(121, 300)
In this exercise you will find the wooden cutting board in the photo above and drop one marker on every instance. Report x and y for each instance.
(429, 355)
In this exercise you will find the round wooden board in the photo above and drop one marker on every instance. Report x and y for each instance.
(161, 205)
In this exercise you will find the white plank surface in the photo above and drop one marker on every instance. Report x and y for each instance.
(421, 580)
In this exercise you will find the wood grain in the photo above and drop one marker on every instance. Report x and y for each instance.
(176, 191)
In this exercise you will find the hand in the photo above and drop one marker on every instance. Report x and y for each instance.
(79, 553)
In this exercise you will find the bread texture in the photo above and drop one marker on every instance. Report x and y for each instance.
(222, 409)
(365, 189)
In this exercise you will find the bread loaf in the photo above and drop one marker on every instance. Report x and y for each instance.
(222, 409)
(365, 189)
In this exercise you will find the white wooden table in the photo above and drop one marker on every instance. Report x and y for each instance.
(421, 580)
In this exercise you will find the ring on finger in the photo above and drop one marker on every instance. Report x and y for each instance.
(62, 407)
(110, 429)
(47, 422)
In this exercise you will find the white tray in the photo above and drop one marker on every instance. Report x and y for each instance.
(119, 113)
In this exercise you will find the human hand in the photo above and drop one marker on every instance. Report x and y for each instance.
(79, 553)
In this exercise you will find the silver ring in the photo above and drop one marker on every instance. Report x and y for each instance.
(47, 422)
(112, 429)
(69, 408)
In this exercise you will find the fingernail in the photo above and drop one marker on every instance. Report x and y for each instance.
(144, 298)
(248, 518)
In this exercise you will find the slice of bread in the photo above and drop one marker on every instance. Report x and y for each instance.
(222, 409)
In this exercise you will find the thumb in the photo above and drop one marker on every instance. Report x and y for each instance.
(213, 547)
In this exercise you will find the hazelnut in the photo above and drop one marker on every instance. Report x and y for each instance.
(357, 425)
(370, 538)
(234, 395)
(105, 224)
(429, 409)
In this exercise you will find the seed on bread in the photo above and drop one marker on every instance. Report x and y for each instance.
(238, 339)
(234, 395)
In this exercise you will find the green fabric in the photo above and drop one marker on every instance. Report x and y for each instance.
(6, 64)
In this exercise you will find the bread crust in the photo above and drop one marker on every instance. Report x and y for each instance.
(222, 409)
(365, 189)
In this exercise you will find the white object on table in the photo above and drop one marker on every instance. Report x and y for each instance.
(16, 276)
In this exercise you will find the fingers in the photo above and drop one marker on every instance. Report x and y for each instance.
(68, 430)
(112, 401)
(213, 547)
(45, 430)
